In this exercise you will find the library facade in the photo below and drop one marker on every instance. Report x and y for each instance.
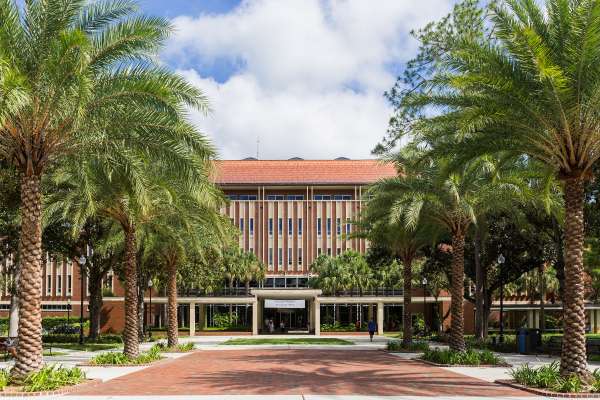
(288, 212)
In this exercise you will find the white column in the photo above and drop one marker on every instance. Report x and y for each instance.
(380, 318)
(192, 319)
(536, 319)
(530, 317)
(317, 315)
(255, 318)
(592, 314)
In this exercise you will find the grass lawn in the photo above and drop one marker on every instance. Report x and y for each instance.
(53, 353)
(83, 347)
(315, 341)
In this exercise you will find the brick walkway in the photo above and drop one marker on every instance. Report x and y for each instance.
(271, 371)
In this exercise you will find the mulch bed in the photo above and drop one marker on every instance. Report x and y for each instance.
(14, 391)
(547, 393)
(501, 365)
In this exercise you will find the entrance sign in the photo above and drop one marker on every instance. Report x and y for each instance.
(278, 303)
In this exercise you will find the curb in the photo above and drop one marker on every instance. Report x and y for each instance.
(501, 365)
(547, 393)
(61, 391)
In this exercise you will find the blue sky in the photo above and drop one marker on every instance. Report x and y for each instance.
(304, 77)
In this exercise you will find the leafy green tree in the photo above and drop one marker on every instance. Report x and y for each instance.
(403, 242)
(77, 78)
(431, 192)
(530, 89)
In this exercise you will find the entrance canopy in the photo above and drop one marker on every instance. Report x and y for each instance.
(286, 293)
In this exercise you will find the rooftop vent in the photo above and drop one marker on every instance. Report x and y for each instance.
(250, 159)
(295, 158)
(342, 158)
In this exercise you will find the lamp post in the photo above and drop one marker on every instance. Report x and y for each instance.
(150, 309)
(501, 261)
(82, 261)
(424, 282)
(69, 310)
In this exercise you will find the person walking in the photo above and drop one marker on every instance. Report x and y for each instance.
(372, 328)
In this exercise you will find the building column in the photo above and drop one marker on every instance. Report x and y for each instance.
(536, 319)
(317, 316)
(380, 318)
(255, 318)
(192, 319)
(530, 318)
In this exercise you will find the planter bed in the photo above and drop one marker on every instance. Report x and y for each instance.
(547, 393)
(499, 365)
(14, 391)
(87, 364)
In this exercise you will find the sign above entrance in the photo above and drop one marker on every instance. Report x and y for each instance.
(278, 303)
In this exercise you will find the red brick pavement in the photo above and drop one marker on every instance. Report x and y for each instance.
(296, 372)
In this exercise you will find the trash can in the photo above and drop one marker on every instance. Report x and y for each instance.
(522, 339)
(528, 340)
(534, 339)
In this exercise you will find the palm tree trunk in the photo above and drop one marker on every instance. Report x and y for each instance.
(479, 274)
(95, 302)
(130, 332)
(573, 359)
(172, 327)
(457, 338)
(406, 314)
(29, 352)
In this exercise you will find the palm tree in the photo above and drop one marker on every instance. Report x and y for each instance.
(131, 190)
(532, 89)
(403, 242)
(76, 77)
(429, 192)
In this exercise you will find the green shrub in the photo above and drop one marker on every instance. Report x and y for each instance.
(51, 378)
(182, 347)
(75, 339)
(548, 377)
(397, 345)
(468, 357)
(4, 377)
(337, 327)
(118, 358)
(107, 292)
(224, 320)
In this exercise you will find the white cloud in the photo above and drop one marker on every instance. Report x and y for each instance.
(312, 73)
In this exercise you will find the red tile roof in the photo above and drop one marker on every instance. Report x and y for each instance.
(301, 172)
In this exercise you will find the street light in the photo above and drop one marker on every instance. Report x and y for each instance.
(69, 310)
(82, 261)
(501, 261)
(150, 309)
(424, 282)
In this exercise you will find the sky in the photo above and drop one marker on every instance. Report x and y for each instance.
(295, 78)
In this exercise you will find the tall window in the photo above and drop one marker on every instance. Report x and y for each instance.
(270, 256)
(299, 226)
(270, 226)
(329, 251)
(242, 225)
(348, 226)
(319, 251)
(69, 277)
(290, 256)
(58, 284)
(299, 255)
(49, 283)
(251, 226)
(319, 226)
(279, 226)
(338, 226)
(328, 226)
(289, 227)
(280, 256)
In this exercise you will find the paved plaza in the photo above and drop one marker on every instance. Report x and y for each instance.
(289, 372)
(292, 372)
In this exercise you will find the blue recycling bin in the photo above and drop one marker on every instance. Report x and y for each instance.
(522, 340)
